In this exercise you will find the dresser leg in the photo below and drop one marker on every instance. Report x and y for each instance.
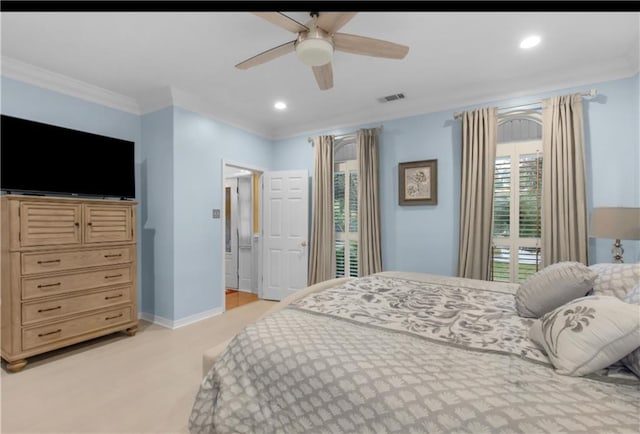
(131, 331)
(16, 366)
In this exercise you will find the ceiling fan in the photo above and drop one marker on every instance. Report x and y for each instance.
(316, 41)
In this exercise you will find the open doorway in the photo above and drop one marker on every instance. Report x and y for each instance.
(241, 234)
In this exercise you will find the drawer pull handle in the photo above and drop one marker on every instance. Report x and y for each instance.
(49, 262)
(51, 308)
(50, 333)
(113, 256)
(112, 296)
(112, 276)
(49, 285)
(112, 317)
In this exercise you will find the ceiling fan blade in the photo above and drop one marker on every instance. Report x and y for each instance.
(331, 22)
(324, 76)
(266, 56)
(369, 46)
(282, 20)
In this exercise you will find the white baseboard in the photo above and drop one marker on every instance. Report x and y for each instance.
(174, 324)
(161, 321)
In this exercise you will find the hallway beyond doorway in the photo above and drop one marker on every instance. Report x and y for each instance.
(235, 298)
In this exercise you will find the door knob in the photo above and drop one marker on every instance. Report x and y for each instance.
(303, 244)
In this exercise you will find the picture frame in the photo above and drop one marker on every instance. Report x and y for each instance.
(418, 182)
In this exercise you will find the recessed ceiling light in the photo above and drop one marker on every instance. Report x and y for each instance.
(530, 41)
(280, 105)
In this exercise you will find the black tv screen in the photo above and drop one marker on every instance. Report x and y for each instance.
(46, 159)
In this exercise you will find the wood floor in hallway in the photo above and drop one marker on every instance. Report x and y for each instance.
(235, 298)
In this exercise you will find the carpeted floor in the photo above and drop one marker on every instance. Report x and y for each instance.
(118, 384)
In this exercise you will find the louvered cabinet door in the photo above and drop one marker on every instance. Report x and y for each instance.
(49, 224)
(108, 223)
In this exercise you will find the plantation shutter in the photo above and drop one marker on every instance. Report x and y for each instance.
(530, 207)
(516, 212)
(502, 197)
(338, 218)
(345, 212)
(501, 252)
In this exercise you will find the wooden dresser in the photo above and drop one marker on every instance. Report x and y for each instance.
(68, 273)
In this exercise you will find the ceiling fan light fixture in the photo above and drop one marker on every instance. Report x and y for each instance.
(314, 52)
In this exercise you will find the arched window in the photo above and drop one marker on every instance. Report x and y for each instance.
(517, 197)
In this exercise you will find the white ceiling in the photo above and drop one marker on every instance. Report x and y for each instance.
(455, 59)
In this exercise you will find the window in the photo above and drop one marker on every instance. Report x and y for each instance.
(345, 208)
(517, 203)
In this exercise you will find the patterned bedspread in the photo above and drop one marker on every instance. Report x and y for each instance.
(408, 354)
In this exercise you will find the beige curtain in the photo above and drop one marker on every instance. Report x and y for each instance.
(370, 251)
(479, 137)
(322, 253)
(564, 204)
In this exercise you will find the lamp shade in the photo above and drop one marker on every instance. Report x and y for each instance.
(314, 52)
(616, 223)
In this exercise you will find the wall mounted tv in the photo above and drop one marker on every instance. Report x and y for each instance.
(45, 159)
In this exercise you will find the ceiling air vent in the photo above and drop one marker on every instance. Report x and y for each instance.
(390, 98)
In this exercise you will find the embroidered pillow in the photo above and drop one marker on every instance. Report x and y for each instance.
(552, 287)
(632, 360)
(615, 279)
(587, 334)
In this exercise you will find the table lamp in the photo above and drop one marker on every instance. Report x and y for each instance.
(617, 223)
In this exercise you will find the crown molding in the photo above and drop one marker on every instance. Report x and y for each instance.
(155, 100)
(619, 70)
(196, 104)
(28, 73)
(170, 96)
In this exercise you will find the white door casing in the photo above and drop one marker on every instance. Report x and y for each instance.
(285, 229)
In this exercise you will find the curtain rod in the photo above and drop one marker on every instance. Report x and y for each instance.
(590, 92)
(341, 136)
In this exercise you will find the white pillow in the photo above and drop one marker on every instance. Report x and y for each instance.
(588, 334)
(552, 287)
(632, 360)
(615, 279)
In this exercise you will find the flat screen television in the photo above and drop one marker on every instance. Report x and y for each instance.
(38, 158)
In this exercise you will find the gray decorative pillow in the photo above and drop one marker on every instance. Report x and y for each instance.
(632, 360)
(615, 279)
(552, 287)
(587, 334)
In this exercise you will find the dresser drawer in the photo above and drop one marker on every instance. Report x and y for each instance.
(37, 336)
(43, 310)
(33, 263)
(64, 283)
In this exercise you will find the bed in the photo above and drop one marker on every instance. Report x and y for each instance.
(405, 353)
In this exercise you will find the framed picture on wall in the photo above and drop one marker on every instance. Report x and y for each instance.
(418, 182)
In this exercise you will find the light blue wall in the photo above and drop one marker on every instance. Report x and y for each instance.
(200, 146)
(26, 101)
(414, 238)
(425, 238)
(178, 182)
(156, 214)
(178, 157)
(613, 156)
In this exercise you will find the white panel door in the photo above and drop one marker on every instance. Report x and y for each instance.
(231, 235)
(245, 233)
(286, 220)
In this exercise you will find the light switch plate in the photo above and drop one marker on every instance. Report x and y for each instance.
(216, 214)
